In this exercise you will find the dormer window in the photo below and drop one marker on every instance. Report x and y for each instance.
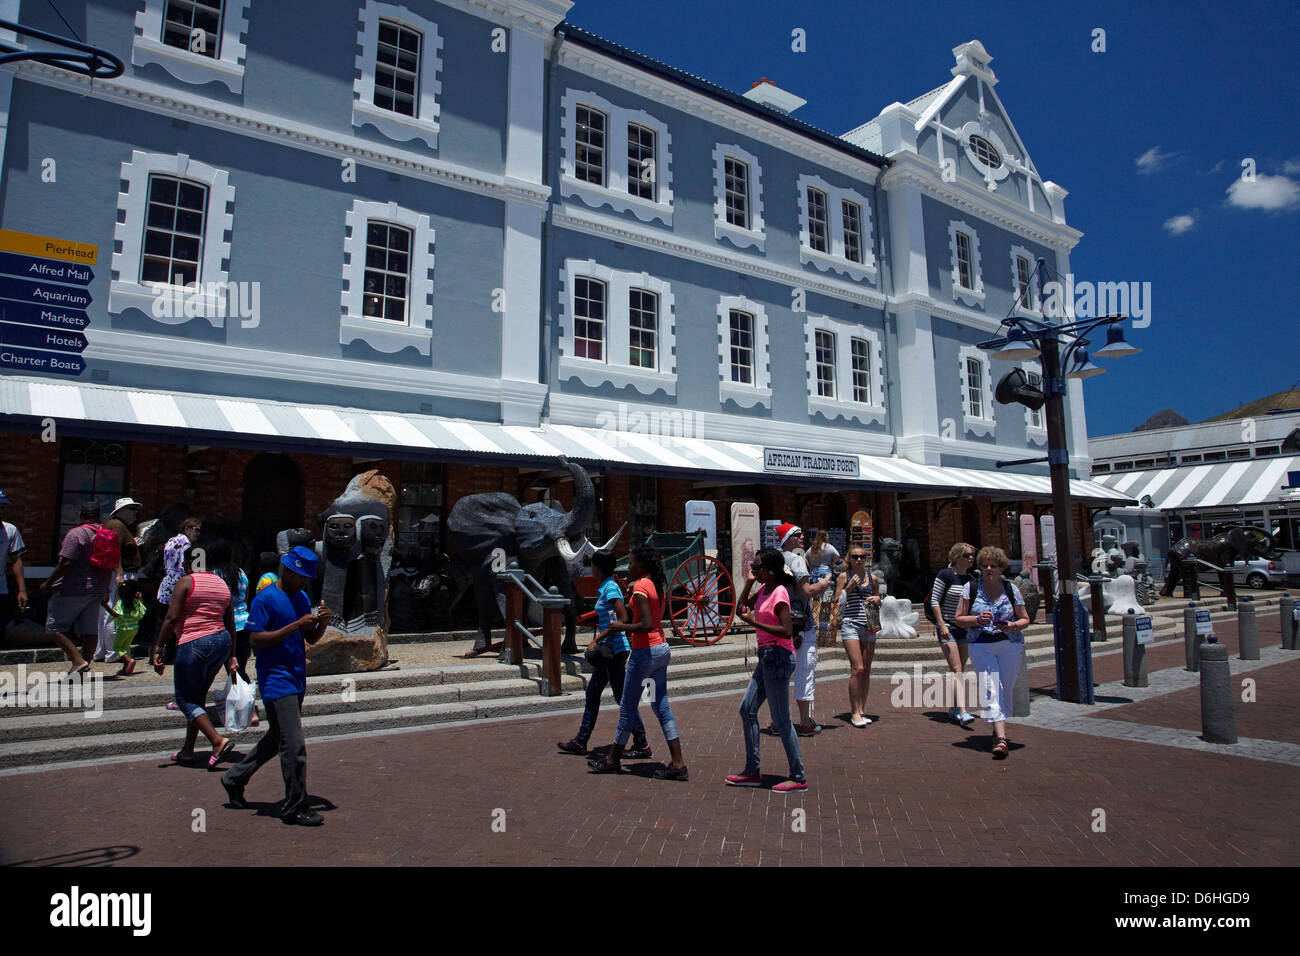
(985, 152)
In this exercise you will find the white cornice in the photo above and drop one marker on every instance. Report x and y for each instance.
(143, 95)
(585, 411)
(912, 170)
(622, 230)
(156, 351)
(535, 16)
(627, 77)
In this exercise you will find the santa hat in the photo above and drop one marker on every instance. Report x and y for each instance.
(784, 532)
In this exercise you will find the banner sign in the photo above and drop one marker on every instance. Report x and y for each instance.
(783, 461)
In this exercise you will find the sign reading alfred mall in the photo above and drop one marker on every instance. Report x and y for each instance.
(783, 461)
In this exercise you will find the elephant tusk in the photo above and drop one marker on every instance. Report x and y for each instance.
(609, 545)
(566, 550)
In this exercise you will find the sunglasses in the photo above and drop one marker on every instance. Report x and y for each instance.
(857, 557)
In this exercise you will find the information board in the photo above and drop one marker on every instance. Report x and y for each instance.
(43, 302)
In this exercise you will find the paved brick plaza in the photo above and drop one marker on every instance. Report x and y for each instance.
(912, 789)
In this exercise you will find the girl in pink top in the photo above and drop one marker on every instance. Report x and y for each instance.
(201, 619)
(774, 628)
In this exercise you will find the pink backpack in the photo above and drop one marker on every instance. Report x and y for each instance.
(106, 549)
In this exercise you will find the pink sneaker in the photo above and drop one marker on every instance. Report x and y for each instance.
(744, 780)
(789, 786)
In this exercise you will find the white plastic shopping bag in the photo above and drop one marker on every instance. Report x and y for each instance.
(239, 703)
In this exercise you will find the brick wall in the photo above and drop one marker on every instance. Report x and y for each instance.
(29, 476)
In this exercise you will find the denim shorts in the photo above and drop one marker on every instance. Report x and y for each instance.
(857, 631)
(955, 633)
(197, 664)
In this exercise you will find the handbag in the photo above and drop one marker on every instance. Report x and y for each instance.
(600, 655)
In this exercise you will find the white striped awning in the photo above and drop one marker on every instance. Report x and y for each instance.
(1220, 484)
(350, 431)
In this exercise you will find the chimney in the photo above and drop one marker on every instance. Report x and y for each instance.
(769, 94)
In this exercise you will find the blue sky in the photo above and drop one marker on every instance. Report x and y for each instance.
(1190, 88)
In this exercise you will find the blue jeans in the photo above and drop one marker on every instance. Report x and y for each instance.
(197, 663)
(646, 664)
(613, 676)
(771, 682)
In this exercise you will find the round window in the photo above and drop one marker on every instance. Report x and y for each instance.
(985, 152)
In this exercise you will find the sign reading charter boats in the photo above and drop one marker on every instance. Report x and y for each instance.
(43, 302)
(783, 461)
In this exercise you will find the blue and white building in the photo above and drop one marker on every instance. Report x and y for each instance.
(468, 233)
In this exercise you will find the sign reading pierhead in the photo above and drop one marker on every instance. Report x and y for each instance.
(783, 461)
(43, 298)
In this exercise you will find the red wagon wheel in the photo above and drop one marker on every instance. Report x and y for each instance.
(703, 602)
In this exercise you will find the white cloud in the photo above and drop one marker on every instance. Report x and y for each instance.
(1270, 193)
(1291, 167)
(1178, 225)
(1152, 161)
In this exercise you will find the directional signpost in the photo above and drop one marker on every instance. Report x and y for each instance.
(43, 302)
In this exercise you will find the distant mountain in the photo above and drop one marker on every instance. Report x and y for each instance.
(1261, 406)
(1166, 419)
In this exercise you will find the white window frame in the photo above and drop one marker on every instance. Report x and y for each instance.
(615, 193)
(385, 335)
(835, 259)
(760, 391)
(397, 126)
(147, 47)
(991, 176)
(867, 413)
(1035, 433)
(986, 426)
(1016, 252)
(756, 235)
(614, 368)
(125, 291)
(972, 297)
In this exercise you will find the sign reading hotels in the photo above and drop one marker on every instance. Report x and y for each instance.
(786, 462)
(43, 302)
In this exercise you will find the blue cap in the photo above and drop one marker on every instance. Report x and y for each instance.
(301, 560)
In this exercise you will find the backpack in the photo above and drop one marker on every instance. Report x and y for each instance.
(106, 549)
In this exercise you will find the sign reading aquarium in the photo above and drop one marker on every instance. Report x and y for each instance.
(786, 462)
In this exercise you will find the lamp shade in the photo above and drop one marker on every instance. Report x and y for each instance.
(1018, 346)
(1083, 366)
(1014, 389)
(1115, 346)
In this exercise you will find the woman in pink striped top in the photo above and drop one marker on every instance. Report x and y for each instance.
(201, 619)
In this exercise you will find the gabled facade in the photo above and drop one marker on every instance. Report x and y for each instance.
(468, 235)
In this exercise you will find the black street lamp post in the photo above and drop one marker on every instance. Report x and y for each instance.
(1028, 338)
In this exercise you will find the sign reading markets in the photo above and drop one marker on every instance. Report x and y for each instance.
(783, 461)
(43, 302)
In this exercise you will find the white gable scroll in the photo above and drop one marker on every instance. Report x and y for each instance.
(784, 461)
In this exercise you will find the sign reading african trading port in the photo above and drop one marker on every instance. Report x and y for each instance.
(43, 302)
(786, 462)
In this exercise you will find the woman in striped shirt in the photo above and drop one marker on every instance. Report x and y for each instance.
(949, 585)
(859, 588)
(201, 619)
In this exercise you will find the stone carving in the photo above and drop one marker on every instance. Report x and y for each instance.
(1122, 595)
(897, 619)
(1029, 591)
(356, 555)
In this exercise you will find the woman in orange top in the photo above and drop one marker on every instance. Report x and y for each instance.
(647, 664)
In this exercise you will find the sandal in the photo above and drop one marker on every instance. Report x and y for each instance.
(573, 747)
(603, 765)
(74, 671)
(220, 755)
(1000, 748)
(671, 773)
(183, 761)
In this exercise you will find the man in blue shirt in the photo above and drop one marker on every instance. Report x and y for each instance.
(279, 622)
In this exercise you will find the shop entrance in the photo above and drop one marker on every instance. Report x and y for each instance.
(272, 499)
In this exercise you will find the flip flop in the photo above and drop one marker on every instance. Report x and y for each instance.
(217, 757)
(183, 761)
(171, 705)
(74, 671)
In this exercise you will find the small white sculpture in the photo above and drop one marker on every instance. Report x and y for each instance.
(1123, 595)
(897, 619)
